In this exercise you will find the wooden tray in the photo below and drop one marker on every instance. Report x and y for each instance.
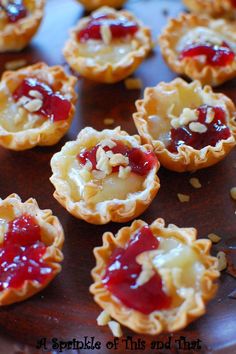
(65, 309)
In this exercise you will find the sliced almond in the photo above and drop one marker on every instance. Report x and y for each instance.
(108, 121)
(195, 183)
(33, 105)
(233, 193)
(103, 318)
(106, 34)
(118, 159)
(210, 115)
(183, 198)
(36, 94)
(214, 238)
(115, 328)
(222, 261)
(197, 127)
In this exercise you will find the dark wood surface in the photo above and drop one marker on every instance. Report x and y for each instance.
(65, 309)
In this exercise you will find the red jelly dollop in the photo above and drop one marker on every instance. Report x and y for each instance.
(21, 254)
(15, 10)
(215, 55)
(119, 27)
(122, 272)
(233, 2)
(54, 106)
(216, 130)
(139, 161)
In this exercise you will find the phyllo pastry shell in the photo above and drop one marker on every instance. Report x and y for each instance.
(95, 4)
(108, 45)
(19, 21)
(140, 278)
(214, 8)
(201, 48)
(36, 106)
(188, 125)
(105, 176)
(30, 248)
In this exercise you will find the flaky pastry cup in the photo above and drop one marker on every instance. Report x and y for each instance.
(92, 66)
(74, 186)
(15, 36)
(153, 122)
(33, 129)
(213, 8)
(194, 298)
(95, 4)
(52, 236)
(177, 35)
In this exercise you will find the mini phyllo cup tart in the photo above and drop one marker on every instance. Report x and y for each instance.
(212, 8)
(36, 106)
(140, 278)
(108, 45)
(30, 248)
(105, 176)
(189, 126)
(201, 48)
(95, 4)
(19, 21)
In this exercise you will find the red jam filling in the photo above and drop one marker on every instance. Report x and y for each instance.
(139, 161)
(21, 254)
(233, 2)
(215, 55)
(119, 26)
(15, 10)
(216, 130)
(54, 107)
(122, 272)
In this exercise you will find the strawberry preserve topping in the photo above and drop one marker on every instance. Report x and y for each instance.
(54, 105)
(139, 161)
(21, 254)
(122, 272)
(15, 10)
(119, 26)
(217, 130)
(233, 2)
(215, 55)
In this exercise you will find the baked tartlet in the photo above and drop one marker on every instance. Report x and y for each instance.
(140, 278)
(105, 176)
(108, 45)
(36, 106)
(19, 21)
(201, 48)
(95, 4)
(188, 125)
(30, 248)
(214, 8)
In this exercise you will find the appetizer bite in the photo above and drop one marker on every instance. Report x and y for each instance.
(36, 106)
(19, 21)
(201, 48)
(30, 248)
(95, 4)
(140, 277)
(105, 176)
(108, 45)
(188, 125)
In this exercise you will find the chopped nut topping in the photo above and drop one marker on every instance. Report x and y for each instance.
(106, 34)
(115, 328)
(36, 94)
(119, 159)
(98, 174)
(145, 275)
(210, 115)
(88, 165)
(124, 172)
(108, 142)
(108, 121)
(33, 105)
(214, 238)
(188, 115)
(195, 183)
(183, 197)
(15, 64)
(103, 318)
(133, 84)
(90, 189)
(197, 127)
(103, 161)
(23, 100)
(233, 193)
(222, 262)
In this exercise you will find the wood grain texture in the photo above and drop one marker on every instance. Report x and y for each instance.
(66, 309)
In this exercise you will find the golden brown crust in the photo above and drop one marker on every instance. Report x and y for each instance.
(214, 8)
(117, 210)
(194, 68)
(52, 236)
(95, 4)
(47, 133)
(108, 72)
(16, 36)
(158, 321)
(158, 99)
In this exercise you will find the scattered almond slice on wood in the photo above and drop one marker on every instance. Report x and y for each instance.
(233, 193)
(195, 183)
(103, 319)
(108, 121)
(115, 328)
(133, 84)
(183, 198)
(222, 265)
(214, 238)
